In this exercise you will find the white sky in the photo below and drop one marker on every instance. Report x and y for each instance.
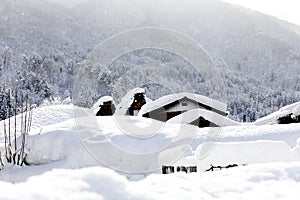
(288, 10)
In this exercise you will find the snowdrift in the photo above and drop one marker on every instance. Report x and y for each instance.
(136, 146)
(264, 181)
(245, 153)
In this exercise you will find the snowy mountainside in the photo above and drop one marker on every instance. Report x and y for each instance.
(258, 55)
(231, 33)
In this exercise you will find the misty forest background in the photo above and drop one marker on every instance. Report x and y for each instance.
(43, 47)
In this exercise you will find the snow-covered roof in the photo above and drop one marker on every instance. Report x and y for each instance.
(284, 111)
(165, 100)
(101, 101)
(192, 115)
(296, 110)
(128, 99)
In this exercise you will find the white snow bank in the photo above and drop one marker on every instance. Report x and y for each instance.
(90, 183)
(264, 181)
(272, 118)
(223, 154)
(125, 143)
(58, 142)
(288, 133)
(165, 100)
(194, 114)
(47, 115)
(128, 99)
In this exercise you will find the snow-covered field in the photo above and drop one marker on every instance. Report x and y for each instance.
(85, 157)
(263, 181)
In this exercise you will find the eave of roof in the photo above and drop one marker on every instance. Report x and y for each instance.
(165, 100)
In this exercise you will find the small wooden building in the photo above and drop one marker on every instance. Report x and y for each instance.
(289, 119)
(132, 102)
(173, 105)
(106, 109)
(105, 106)
(138, 102)
(286, 115)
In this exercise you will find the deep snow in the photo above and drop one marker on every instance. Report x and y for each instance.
(263, 181)
(68, 155)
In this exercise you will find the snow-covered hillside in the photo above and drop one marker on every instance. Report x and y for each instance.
(253, 52)
(70, 150)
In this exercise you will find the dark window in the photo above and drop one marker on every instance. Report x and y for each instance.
(184, 104)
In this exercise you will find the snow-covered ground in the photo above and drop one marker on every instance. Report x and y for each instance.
(71, 152)
(263, 181)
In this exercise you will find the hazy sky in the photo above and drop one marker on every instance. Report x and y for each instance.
(288, 10)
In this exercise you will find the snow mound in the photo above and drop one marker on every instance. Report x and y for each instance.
(194, 114)
(263, 181)
(165, 100)
(244, 153)
(128, 99)
(272, 118)
(47, 115)
(136, 144)
(58, 142)
(89, 183)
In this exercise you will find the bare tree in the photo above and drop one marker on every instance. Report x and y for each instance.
(18, 155)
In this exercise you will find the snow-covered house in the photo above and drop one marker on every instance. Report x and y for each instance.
(105, 106)
(172, 105)
(203, 118)
(132, 102)
(286, 115)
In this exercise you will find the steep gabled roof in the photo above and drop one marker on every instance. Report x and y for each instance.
(102, 100)
(166, 100)
(293, 109)
(192, 115)
(127, 101)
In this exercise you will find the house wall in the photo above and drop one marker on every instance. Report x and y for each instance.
(139, 101)
(176, 108)
(188, 105)
(288, 119)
